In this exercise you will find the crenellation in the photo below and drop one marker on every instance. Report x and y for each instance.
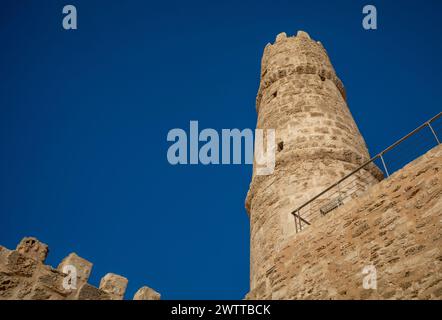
(33, 248)
(114, 285)
(146, 293)
(82, 266)
(281, 37)
(24, 276)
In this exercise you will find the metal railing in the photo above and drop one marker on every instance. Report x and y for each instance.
(361, 179)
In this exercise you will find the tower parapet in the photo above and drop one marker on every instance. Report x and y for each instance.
(318, 142)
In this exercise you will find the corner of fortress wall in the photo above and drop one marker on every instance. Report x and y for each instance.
(395, 227)
(24, 276)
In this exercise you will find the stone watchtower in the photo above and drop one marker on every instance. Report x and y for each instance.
(317, 140)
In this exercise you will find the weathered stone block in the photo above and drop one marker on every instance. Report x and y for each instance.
(146, 293)
(89, 292)
(19, 265)
(8, 284)
(33, 248)
(82, 267)
(115, 285)
(41, 292)
(52, 280)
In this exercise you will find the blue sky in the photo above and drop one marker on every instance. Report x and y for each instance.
(84, 117)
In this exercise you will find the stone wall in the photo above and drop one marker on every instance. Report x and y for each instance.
(395, 227)
(23, 275)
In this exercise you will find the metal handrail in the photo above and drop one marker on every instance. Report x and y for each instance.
(379, 155)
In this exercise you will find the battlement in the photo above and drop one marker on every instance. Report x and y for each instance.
(24, 276)
(294, 56)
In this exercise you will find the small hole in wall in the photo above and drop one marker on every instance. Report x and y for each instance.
(275, 94)
(280, 146)
(322, 77)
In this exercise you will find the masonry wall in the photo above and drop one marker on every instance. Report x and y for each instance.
(396, 227)
(24, 276)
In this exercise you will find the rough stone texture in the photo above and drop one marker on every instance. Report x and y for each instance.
(33, 248)
(24, 276)
(146, 293)
(89, 292)
(396, 227)
(114, 285)
(300, 97)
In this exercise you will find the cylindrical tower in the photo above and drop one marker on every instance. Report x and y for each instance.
(317, 140)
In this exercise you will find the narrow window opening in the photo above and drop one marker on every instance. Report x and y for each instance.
(280, 146)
